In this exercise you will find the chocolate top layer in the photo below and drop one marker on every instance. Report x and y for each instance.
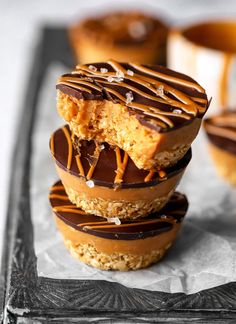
(123, 29)
(105, 165)
(221, 131)
(154, 224)
(159, 98)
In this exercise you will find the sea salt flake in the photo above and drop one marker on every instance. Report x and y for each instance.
(163, 216)
(130, 72)
(92, 68)
(115, 220)
(120, 74)
(118, 79)
(129, 97)
(160, 90)
(177, 111)
(90, 183)
(110, 79)
(102, 147)
(104, 70)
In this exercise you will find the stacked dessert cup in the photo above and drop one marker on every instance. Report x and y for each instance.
(121, 155)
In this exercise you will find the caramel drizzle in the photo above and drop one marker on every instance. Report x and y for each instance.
(106, 224)
(187, 106)
(58, 188)
(70, 148)
(73, 209)
(101, 225)
(149, 176)
(59, 197)
(154, 98)
(52, 144)
(169, 78)
(68, 209)
(91, 170)
(121, 165)
(79, 165)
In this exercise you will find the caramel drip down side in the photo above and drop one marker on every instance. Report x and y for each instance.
(224, 80)
(104, 80)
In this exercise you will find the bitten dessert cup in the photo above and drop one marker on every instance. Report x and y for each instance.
(108, 246)
(123, 36)
(150, 112)
(221, 132)
(104, 181)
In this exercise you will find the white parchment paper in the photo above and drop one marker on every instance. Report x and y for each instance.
(204, 254)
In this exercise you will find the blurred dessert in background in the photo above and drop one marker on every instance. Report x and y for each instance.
(123, 36)
(221, 131)
(207, 52)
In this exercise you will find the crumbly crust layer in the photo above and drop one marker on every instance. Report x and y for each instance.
(116, 208)
(88, 254)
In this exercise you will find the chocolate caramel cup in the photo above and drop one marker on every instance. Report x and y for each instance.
(106, 245)
(221, 132)
(122, 35)
(104, 181)
(150, 112)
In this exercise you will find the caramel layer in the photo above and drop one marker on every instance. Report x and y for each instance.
(137, 247)
(125, 194)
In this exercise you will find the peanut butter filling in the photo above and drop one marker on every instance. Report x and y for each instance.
(112, 123)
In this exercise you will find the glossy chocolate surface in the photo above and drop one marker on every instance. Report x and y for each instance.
(154, 224)
(104, 173)
(160, 98)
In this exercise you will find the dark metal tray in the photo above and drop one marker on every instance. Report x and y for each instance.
(29, 298)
